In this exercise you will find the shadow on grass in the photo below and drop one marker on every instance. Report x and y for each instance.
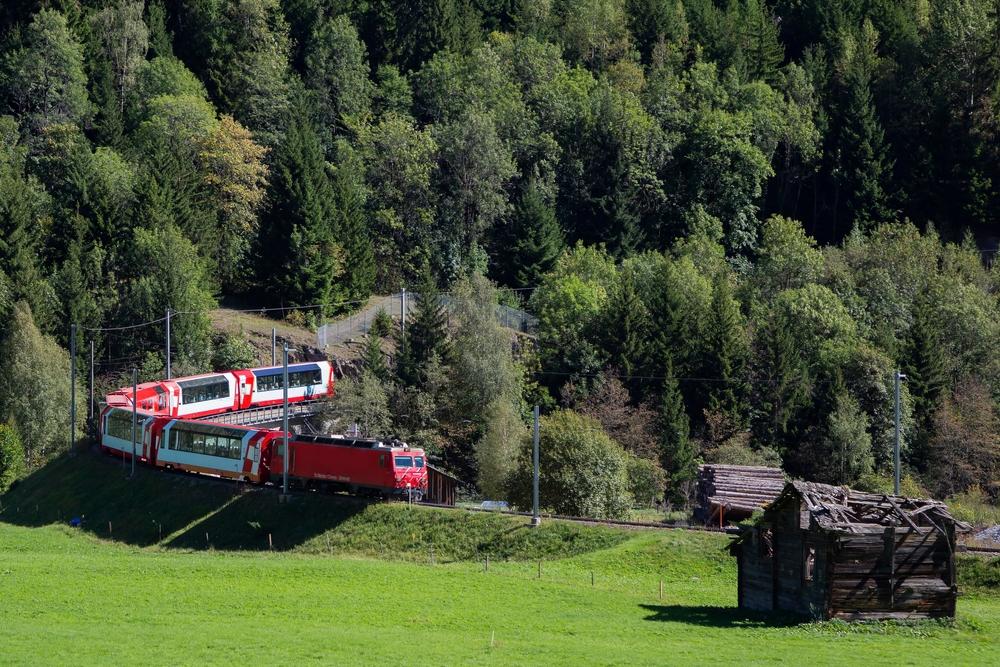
(172, 509)
(720, 617)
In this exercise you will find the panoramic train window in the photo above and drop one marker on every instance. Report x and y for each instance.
(207, 389)
(404, 461)
(119, 425)
(295, 379)
(207, 444)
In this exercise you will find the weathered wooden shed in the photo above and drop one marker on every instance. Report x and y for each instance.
(442, 488)
(831, 552)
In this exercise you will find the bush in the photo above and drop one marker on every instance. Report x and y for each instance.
(875, 483)
(739, 454)
(381, 325)
(11, 457)
(974, 507)
(647, 482)
(233, 351)
(583, 472)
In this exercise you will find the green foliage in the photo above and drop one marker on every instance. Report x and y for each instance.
(12, 465)
(233, 351)
(166, 253)
(35, 389)
(583, 472)
(336, 70)
(351, 228)
(497, 450)
(426, 334)
(569, 304)
(727, 353)
(373, 359)
(299, 234)
(381, 324)
(44, 79)
(676, 450)
(646, 481)
(537, 240)
(483, 371)
(847, 447)
(362, 401)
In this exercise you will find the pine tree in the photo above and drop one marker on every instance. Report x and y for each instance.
(538, 240)
(926, 376)
(629, 328)
(726, 357)
(762, 50)
(864, 163)
(373, 359)
(677, 452)
(426, 334)
(159, 38)
(783, 384)
(352, 232)
(299, 234)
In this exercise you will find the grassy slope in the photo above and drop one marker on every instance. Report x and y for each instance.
(70, 596)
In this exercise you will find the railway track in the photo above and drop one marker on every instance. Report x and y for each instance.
(640, 525)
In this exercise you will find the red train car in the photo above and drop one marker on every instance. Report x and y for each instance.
(357, 465)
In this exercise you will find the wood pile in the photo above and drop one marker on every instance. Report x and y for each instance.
(735, 492)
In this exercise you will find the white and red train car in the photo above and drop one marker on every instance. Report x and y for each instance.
(214, 393)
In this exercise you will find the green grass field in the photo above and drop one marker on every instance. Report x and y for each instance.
(357, 586)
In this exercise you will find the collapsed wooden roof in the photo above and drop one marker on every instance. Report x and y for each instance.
(840, 509)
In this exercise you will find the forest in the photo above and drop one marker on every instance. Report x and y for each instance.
(733, 219)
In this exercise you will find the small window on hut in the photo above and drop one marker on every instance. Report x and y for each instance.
(809, 564)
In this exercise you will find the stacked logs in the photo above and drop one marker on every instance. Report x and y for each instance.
(728, 492)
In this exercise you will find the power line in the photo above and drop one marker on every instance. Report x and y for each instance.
(125, 327)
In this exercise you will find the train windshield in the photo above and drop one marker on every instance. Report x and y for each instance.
(404, 461)
(418, 461)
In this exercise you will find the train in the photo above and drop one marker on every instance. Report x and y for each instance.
(173, 430)
(210, 394)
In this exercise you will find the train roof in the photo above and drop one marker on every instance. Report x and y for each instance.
(348, 441)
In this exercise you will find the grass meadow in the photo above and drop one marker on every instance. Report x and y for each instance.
(391, 585)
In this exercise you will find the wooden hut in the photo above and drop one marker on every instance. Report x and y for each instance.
(442, 488)
(831, 552)
(727, 492)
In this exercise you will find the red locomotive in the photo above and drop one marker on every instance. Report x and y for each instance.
(357, 465)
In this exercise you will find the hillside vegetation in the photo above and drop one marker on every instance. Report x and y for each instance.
(733, 221)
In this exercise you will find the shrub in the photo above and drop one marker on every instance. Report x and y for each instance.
(582, 471)
(647, 482)
(233, 351)
(11, 457)
(381, 325)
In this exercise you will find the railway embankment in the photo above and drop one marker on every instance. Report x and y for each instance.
(163, 510)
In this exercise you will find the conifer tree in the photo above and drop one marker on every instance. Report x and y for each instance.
(299, 238)
(538, 240)
(726, 357)
(373, 359)
(677, 452)
(762, 50)
(629, 328)
(782, 386)
(426, 333)
(865, 165)
(926, 376)
(352, 232)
